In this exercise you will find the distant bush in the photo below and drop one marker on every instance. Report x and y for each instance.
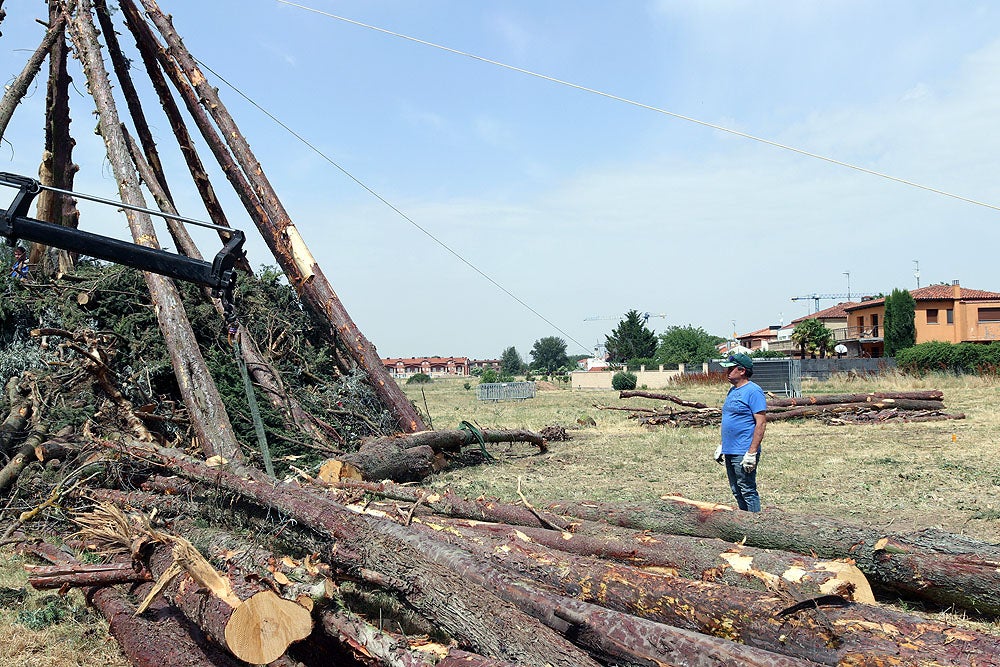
(623, 380)
(505, 378)
(529, 378)
(419, 378)
(467, 386)
(971, 358)
(489, 375)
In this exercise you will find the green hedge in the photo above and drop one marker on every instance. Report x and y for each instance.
(972, 358)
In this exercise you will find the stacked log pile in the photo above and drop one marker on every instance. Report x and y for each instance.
(379, 573)
(833, 409)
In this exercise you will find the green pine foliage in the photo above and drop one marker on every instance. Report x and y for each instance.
(631, 339)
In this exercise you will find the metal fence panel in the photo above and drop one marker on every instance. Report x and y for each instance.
(505, 391)
(778, 376)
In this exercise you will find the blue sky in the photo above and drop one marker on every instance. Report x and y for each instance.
(578, 204)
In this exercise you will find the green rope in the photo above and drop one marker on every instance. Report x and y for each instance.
(478, 435)
(258, 424)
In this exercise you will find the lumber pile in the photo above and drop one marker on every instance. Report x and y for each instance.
(379, 573)
(833, 409)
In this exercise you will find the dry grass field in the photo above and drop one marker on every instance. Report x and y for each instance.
(901, 477)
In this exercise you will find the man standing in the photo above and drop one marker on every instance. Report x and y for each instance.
(743, 423)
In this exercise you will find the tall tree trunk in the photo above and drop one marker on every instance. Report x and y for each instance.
(201, 396)
(57, 168)
(286, 243)
(296, 418)
(16, 90)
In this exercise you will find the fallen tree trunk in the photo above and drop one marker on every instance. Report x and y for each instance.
(938, 567)
(381, 551)
(827, 399)
(629, 393)
(83, 576)
(701, 559)
(744, 616)
(411, 458)
(161, 637)
(836, 408)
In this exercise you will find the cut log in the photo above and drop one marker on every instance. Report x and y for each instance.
(745, 616)
(827, 399)
(162, 637)
(381, 550)
(941, 568)
(83, 576)
(411, 458)
(837, 408)
(703, 559)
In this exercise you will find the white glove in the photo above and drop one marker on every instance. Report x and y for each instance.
(749, 462)
(719, 458)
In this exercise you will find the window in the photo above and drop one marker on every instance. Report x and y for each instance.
(989, 314)
(949, 315)
(932, 314)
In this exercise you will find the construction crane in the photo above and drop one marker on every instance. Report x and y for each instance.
(645, 317)
(816, 298)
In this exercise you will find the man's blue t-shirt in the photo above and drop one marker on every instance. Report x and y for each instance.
(737, 417)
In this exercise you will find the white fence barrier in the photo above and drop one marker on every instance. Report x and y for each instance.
(505, 391)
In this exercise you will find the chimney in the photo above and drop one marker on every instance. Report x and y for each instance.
(956, 290)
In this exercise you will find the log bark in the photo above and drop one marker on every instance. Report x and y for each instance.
(837, 408)
(630, 393)
(17, 416)
(740, 615)
(382, 551)
(702, 559)
(285, 242)
(83, 576)
(17, 89)
(827, 399)
(24, 455)
(938, 567)
(201, 396)
(161, 637)
(57, 168)
(148, 48)
(411, 458)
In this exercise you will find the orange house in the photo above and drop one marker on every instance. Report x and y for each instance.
(949, 313)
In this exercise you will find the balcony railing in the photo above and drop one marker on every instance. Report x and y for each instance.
(855, 333)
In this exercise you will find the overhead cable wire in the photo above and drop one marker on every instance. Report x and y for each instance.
(382, 199)
(648, 107)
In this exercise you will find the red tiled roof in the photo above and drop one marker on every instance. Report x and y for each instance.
(416, 361)
(767, 332)
(831, 313)
(937, 293)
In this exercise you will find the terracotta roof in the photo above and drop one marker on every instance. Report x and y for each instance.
(760, 333)
(833, 312)
(937, 293)
(416, 361)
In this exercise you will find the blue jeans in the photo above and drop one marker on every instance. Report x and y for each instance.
(743, 484)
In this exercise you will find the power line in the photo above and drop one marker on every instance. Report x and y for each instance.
(391, 206)
(648, 107)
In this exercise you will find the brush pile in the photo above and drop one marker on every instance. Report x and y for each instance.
(833, 409)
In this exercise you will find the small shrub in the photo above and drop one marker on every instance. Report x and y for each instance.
(489, 375)
(529, 378)
(505, 378)
(623, 380)
(467, 386)
(419, 378)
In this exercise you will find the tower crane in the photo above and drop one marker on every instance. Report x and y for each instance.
(816, 298)
(645, 317)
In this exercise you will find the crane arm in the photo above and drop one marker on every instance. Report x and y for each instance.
(219, 274)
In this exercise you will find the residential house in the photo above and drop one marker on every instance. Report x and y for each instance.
(949, 313)
(835, 319)
(432, 366)
(760, 339)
